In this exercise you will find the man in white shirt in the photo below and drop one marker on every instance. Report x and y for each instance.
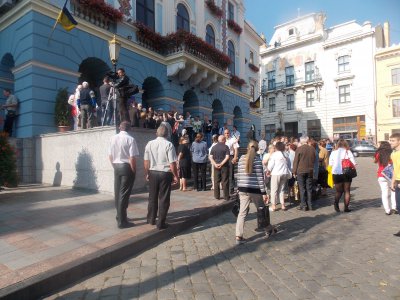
(233, 146)
(160, 170)
(122, 152)
(11, 107)
(235, 134)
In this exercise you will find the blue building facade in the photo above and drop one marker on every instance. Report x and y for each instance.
(35, 66)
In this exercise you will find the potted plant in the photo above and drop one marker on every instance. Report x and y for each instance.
(62, 111)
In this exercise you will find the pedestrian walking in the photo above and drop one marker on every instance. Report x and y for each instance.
(395, 157)
(160, 170)
(279, 170)
(184, 163)
(342, 181)
(382, 158)
(250, 178)
(233, 146)
(122, 155)
(214, 142)
(199, 158)
(303, 169)
(219, 157)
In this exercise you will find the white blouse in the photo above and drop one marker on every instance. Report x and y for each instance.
(336, 157)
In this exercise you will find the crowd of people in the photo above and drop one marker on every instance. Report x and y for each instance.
(287, 169)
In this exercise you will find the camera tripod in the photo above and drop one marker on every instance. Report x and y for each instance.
(112, 96)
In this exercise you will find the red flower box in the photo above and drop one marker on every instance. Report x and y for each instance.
(237, 81)
(103, 8)
(235, 26)
(216, 11)
(254, 68)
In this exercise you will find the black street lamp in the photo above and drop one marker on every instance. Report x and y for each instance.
(114, 47)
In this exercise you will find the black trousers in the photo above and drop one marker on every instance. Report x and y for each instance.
(123, 110)
(221, 176)
(9, 123)
(159, 196)
(202, 168)
(305, 182)
(123, 183)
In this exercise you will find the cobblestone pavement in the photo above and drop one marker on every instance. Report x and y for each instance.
(318, 254)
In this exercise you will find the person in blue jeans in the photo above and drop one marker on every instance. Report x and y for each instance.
(303, 169)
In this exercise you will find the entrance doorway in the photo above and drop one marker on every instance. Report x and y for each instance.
(292, 129)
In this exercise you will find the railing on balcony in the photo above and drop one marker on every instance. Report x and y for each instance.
(273, 86)
(181, 42)
(91, 16)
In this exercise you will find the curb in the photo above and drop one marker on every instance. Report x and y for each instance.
(47, 283)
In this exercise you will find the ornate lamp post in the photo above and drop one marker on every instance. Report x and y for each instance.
(114, 46)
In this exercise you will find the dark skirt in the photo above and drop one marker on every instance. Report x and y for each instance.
(341, 178)
(185, 171)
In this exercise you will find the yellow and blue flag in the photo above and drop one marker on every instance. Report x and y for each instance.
(66, 20)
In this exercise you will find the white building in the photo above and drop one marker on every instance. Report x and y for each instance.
(319, 81)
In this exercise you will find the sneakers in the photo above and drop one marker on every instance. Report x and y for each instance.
(240, 240)
(397, 234)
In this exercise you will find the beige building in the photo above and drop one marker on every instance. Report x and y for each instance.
(387, 90)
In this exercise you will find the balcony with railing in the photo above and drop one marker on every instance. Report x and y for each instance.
(272, 87)
(189, 58)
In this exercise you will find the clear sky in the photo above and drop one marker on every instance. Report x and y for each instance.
(264, 15)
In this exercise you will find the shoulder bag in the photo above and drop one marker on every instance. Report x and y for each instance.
(348, 167)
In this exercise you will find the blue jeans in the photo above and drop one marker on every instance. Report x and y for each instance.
(305, 186)
(397, 193)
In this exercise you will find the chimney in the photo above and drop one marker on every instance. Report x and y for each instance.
(386, 34)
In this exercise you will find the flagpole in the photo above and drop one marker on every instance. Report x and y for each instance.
(55, 24)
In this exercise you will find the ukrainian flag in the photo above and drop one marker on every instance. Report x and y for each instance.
(66, 20)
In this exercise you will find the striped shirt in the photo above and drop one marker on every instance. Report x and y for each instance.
(250, 183)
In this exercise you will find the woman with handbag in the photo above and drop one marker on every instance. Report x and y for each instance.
(279, 170)
(382, 158)
(250, 180)
(343, 171)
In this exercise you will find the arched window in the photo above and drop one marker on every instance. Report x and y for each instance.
(145, 12)
(182, 18)
(231, 54)
(210, 35)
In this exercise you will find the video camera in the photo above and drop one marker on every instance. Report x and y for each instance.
(112, 75)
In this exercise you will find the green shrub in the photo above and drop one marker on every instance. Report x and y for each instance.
(62, 111)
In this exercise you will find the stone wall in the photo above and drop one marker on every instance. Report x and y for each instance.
(79, 159)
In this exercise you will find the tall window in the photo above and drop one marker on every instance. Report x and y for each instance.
(310, 99)
(344, 93)
(396, 76)
(290, 102)
(289, 76)
(231, 54)
(210, 35)
(314, 128)
(231, 11)
(145, 12)
(309, 71)
(182, 18)
(252, 91)
(271, 80)
(271, 104)
(251, 59)
(344, 63)
(396, 108)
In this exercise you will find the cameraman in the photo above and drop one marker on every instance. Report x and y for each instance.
(120, 84)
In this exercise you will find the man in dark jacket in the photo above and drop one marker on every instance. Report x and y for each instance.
(86, 105)
(104, 94)
(121, 85)
(303, 168)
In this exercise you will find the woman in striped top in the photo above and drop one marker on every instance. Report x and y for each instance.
(250, 180)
